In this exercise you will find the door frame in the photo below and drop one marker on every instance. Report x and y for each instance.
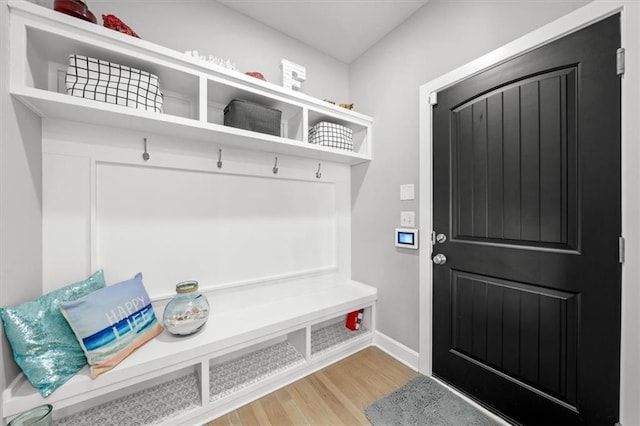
(630, 175)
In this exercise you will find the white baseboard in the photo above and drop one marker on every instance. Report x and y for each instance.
(405, 355)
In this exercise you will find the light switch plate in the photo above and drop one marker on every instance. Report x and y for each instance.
(408, 219)
(407, 192)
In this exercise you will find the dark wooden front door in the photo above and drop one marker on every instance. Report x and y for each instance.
(526, 163)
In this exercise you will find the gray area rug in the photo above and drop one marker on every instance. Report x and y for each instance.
(423, 401)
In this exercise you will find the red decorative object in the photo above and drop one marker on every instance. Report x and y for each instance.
(256, 75)
(75, 8)
(114, 23)
(354, 319)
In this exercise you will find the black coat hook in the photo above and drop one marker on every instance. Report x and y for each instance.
(275, 167)
(145, 154)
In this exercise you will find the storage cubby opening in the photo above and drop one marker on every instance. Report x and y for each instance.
(333, 333)
(228, 376)
(48, 53)
(361, 140)
(151, 402)
(220, 94)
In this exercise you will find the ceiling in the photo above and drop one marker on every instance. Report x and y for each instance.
(343, 29)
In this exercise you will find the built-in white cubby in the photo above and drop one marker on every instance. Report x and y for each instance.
(165, 399)
(195, 91)
(273, 248)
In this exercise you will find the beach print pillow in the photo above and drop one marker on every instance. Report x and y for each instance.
(112, 323)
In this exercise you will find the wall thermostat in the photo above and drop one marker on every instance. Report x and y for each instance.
(407, 238)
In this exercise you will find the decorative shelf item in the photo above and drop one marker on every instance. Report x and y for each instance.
(293, 75)
(114, 23)
(187, 312)
(226, 63)
(256, 74)
(332, 135)
(250, 116)
(75, 8)
(104, 81)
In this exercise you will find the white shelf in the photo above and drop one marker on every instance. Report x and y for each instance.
(195, 91)
(64, 107)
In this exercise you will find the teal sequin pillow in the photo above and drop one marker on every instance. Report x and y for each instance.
(43, 344)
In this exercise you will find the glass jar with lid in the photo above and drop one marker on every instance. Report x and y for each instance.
(188, 311)
(38, 416)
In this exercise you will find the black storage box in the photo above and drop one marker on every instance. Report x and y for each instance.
(249, 116)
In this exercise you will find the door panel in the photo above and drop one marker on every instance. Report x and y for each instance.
(526, 332)
(526, 312)
(514, 164)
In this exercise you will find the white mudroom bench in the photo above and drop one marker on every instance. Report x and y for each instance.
(258, 338)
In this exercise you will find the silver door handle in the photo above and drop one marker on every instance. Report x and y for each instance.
(439, 259)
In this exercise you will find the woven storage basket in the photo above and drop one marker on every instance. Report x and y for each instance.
(332, 135)
(249, 116)
(105, 81)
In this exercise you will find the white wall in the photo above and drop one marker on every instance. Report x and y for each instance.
(20, 199)
(427, 57)
(384, 82)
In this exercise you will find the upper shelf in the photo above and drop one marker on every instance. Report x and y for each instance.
(195, 91)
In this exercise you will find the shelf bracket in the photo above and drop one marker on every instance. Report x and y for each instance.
(275, 167)
(318, 174)
(219, 163)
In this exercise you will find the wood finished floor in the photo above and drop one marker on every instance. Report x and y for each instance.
(336, 395)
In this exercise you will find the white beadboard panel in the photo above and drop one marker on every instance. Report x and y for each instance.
(66, 206)
(185, 173)
(175, 225)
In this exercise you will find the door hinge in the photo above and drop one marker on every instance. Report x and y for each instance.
(433, 98)
(620, 61)
(433, 237)
(621, 249)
